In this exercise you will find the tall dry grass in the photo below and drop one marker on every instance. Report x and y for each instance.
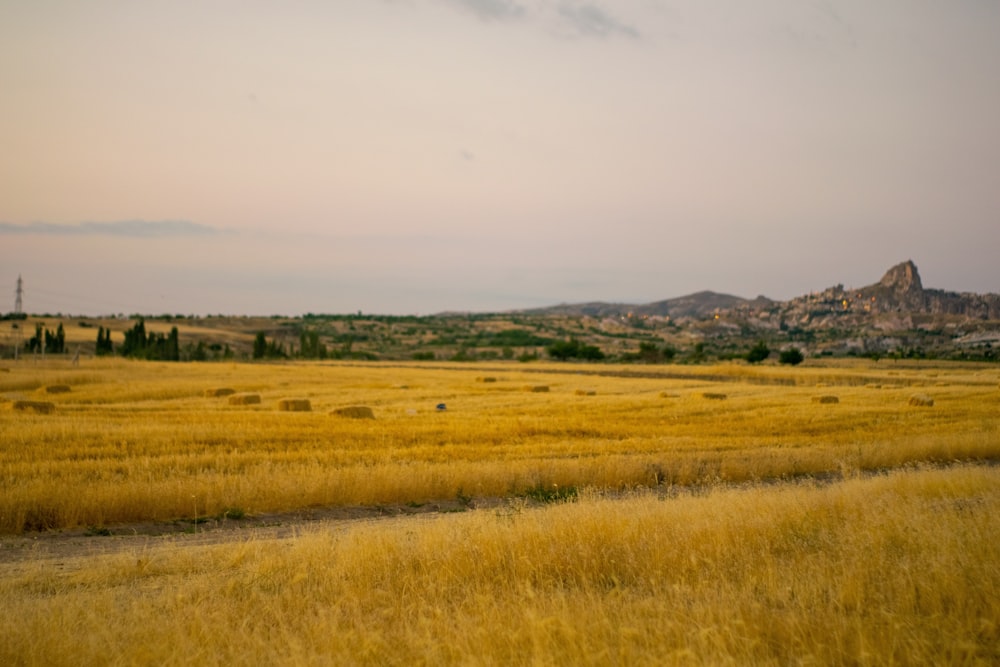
(137, 441)
(901, 568)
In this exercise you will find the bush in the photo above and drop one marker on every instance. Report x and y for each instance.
(792, 356)
(758, 353)
(574, 349)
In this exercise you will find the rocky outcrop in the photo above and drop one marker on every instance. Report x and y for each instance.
(903, 278)
(899, 292)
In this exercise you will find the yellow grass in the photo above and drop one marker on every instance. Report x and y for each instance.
(895, 569)
(764, 529)
(139, 441)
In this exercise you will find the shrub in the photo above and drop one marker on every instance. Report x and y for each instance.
(552, 494)
(574, 349)
(758, 353)
(792, 356)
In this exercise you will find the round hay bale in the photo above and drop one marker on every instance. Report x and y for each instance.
(586, 392)
(4, 369)
(244, 399)
(825, 399)
(354, 412)
(921, 401)
(41, 407)
(667, 394)
(486, 379)
(714, 396)
(294, 405)
(536, 388)
(219, 392)
(58, 389)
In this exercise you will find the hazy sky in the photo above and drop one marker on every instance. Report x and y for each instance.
(414, 156)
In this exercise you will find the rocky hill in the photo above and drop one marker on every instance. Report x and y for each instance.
(897, 315)
(899, 291)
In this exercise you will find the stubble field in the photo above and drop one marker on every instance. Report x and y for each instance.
(584, 514)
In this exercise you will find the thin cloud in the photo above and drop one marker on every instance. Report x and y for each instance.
(492, 10)
(591, 21)
(141, 229)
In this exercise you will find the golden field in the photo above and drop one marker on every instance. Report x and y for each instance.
(765, 527)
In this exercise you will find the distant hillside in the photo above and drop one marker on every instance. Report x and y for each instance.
(700, 304)
(899, 291)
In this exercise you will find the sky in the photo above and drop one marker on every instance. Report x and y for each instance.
(418, 156)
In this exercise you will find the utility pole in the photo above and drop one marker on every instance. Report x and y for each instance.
(19, 317)
(18, 303)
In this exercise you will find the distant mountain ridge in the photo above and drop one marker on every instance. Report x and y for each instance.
(899, 291)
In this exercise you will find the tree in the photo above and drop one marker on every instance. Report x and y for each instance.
(35, 342)
(260, 346)
(574, 349)
(792, 356)
(758, 352)
(267, 349)
(104, 345)
(154, 346)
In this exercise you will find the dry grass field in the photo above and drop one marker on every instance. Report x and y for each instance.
(621, 517)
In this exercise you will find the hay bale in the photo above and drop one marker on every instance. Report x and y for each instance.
(667, 394)
(4, 369)
(58, 389)
(586, 392)
(921, 401)
(294, 405)
(219, 392)
(41, 407)
(354, 412)
(244, 399)
(536, 388)
(825, 399)
(714, 396)
(486, 379)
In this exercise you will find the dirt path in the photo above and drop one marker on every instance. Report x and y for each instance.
(68, 544)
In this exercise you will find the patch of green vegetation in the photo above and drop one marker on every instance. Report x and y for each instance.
(552, 493)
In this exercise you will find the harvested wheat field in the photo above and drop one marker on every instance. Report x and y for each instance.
(145, 521)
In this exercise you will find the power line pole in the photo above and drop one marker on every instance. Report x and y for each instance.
(18, 317)
(18, 302)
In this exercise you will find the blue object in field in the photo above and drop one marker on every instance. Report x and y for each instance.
(442, 406)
